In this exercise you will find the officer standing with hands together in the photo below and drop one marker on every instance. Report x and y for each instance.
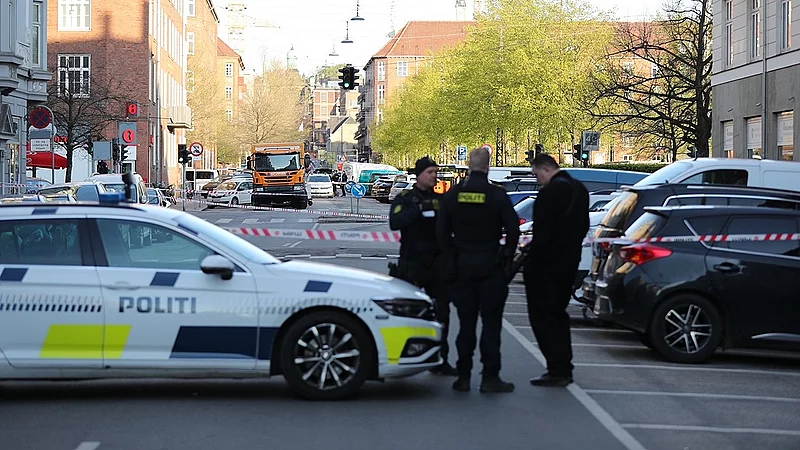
(414, 213)
(471, 223)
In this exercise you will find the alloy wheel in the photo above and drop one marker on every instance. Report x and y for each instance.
(687, 328)
(327, 356)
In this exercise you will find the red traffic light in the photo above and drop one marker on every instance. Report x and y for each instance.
(132, 109)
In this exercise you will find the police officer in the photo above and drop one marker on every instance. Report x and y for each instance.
(414, 213)
(561, 221)
(470, 227)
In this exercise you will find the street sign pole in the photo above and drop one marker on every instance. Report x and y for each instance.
(183, 178)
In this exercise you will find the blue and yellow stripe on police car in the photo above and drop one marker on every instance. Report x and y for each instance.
(71, 341)
(396, 338)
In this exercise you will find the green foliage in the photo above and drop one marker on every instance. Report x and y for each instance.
(632, 167)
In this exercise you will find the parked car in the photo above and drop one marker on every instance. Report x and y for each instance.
(382, 187)
(685, 299)
(631, 203)
(114, 183)
(398, 187)
(517, 197)
(82, 191)
(320, 185)
(206, 188)
(729, 171)
(592, 179)
(32, 185)
(22, 198)
(156, 197)
(237, 191)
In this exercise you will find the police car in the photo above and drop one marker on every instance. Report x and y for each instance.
(78, 301)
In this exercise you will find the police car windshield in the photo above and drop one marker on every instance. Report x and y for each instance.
(319, 179)
(234, 243)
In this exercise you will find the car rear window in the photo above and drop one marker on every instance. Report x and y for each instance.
(645, 226)
(762, 225)
(622, 210)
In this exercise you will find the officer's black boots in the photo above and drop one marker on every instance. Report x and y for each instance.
(444, 369)
(495, 384)
(461, 385)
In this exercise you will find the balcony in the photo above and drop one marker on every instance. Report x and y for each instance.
(9, 64)
(179, 117)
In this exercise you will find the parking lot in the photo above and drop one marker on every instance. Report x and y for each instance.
(740, 399)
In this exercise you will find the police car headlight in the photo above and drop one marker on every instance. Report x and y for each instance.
(407, 307)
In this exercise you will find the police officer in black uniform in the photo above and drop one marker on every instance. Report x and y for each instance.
(414, 213)
(472, 219)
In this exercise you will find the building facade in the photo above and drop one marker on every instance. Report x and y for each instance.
(756, 79)
(389, 69)
(115, 43)
(23, 83)
(201, 77)
(230, 70)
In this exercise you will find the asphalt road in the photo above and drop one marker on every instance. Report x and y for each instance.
(624, 397)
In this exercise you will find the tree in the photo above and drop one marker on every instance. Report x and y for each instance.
(84, 109)
(669, 106)
(272, 108)
(206, 98)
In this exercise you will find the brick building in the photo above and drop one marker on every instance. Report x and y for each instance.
(139, 47)
(201, 48)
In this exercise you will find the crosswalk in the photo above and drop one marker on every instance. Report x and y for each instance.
(257, 221)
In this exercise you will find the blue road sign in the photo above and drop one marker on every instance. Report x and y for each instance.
(462, 153)
(358, 190)
(348, 187)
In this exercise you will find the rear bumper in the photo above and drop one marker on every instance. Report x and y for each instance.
(268, 198)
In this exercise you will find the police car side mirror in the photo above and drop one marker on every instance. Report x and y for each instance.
(217, 265)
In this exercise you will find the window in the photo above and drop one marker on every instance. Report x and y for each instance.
(763, 225)
(402, 68)
(122, 243)
(229, 114)
(627, 157)
(785, 136)
(190, 81)
(655, 71)
(190, 5)
(785, 25)
(380, 115)
(228, 69)
(45, 242)
(755, 202)
(728, 44)
(628, 67)
(229, 92)
(727, 139)
(381, 71)
(190, 43)
(733, 177)
(74, 15)
(381, 94)
(74, 75)
(755, 28)
(36, 38)
(754, 138)
(628, 141)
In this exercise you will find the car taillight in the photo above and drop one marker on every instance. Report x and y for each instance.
(522, 220)
(606, 246)
(642, 253)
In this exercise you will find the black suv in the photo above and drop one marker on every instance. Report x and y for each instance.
(630, 204)
(685, 299)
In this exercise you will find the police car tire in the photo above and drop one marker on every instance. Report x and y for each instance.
(361, 339)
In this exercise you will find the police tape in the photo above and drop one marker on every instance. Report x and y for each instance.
(292, 210)
(705, 238)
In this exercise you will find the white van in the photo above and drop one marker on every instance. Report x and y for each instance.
(739, 172)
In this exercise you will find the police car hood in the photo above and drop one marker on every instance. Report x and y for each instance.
(362, 282)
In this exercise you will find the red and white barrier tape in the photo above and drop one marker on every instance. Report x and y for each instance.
(707, 238)
(304, 211)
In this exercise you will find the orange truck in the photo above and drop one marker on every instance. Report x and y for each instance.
(279, 172)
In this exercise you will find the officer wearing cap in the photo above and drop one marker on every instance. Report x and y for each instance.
(470, 227)
(414, 213)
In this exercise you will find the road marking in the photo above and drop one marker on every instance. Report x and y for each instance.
(598, 329)
(88, 445)
(297, 256)
(277, 220)
(685, 368)
(588, 402)
(295, 244)
(316, 225)
(654, 426)
(638, 347)
(305, 220)
(392, 256)
(373, 257)
(694, 395)
(250, 221)
(349, 255)
(322, 257)
(224, 220)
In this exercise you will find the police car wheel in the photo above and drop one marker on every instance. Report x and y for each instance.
(326, 356)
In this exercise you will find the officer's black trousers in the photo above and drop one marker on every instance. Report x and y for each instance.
(485, 298)
(548, 293)
(435, 290)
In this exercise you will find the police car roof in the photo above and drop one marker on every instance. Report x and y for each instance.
(58, 208)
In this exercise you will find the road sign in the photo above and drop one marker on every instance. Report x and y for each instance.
(40, 145)
(40, 117)
(590, 141)
(462, 153)
(359, 190)
(348, 187)
(127, 133)
(132, 108)
(196, 149)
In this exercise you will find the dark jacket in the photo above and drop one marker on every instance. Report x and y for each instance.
(414, 213)
(560, 223)
(473, 218)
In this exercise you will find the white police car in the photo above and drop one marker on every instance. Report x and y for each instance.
(76, 301)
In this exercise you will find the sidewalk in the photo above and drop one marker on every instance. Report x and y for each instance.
(191, 206)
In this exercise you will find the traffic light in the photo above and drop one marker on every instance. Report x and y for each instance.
(123, 152)
(115, 149)
(348, 77)
(102, 167)
(531, 154)
(539, 148)
(580, 154)
(183, 154)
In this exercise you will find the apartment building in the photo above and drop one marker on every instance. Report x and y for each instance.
(23, 83)
(137, 48)
(230, 68)
(401, 58)
(756, 79)
(201, 49)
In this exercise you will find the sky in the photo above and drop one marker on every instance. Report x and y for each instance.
(315, 27)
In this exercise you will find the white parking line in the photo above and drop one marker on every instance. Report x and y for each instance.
(297, 256)
(688, 368)
(250, 221)
(655, 426)
(756, 398)
(295, 244)
(600, 330)
(223, 220)
(277, 220)
(88, 445)
(594, 408)
(305, 220)
(322, 257)
(349, 255)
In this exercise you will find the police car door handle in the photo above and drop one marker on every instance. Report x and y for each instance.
(122, 286)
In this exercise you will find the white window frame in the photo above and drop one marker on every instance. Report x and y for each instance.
(229, 70)
(785, 25)
(36, 37)
(381, 94)
(754, 130)
(728, 41)
(74, 15)
(727, 139)
(402, 68)
(85, 73)
(381, 70)
(190, 8)
(627, 157)
(755, 28)
(190, 43)
(229, 114)
(189, 81)
(229, 92)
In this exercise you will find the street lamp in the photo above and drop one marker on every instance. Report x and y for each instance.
(357, 17)
(347, 35)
